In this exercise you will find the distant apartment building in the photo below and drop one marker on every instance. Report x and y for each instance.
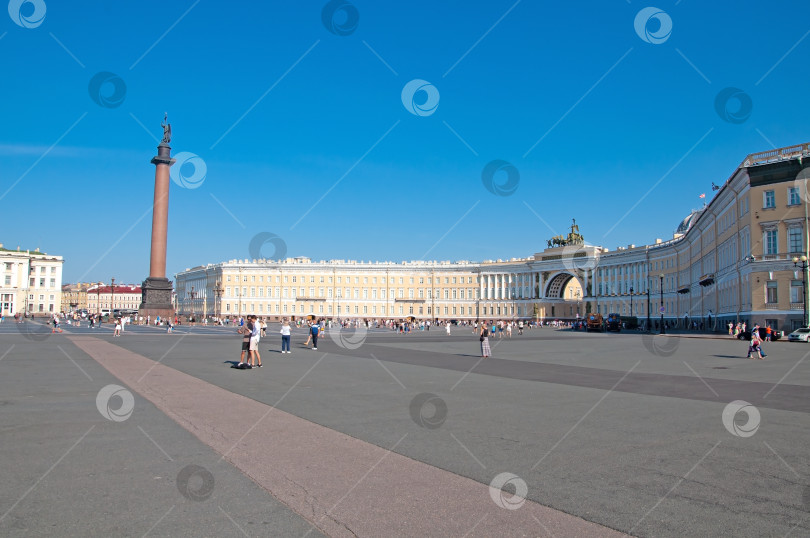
(74, 297)
(30, 281)
(119, 297)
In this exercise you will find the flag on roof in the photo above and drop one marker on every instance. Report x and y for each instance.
(702, 195)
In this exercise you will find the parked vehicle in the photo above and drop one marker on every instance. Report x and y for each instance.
(630, 322)
(595, 322)
(614, 323)
(802, 334)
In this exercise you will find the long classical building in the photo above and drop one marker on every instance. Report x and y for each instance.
(31, 281)
(731, 260)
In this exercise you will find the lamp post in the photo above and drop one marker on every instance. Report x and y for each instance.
(631, 301)
(218, 294)
(112, 297)
(193, 295)
(98, 301)
(661, 276)
(803, 266)
(648, 305)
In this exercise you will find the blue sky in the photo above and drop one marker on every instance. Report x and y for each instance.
(303, 132)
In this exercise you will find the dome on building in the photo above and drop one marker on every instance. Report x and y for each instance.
(687, 223)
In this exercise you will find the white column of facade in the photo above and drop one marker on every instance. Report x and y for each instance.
(585, 284)
(488, 284)
(541, 287)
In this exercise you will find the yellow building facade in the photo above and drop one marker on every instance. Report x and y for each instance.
(730, 261)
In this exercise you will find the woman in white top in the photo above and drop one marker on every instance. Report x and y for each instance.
(285, 336)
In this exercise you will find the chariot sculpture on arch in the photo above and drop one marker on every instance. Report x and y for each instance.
(573, 238)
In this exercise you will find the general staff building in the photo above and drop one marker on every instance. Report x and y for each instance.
(732, 260)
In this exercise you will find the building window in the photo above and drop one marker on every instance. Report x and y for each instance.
(795, 242)
(768, 200)
(771, 243)
(796, 291)
(770, 292)
(793, 196)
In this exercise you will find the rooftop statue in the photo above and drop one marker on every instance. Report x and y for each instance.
(573, 237)
(167, 129)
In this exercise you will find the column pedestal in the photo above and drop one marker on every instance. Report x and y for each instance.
(156, 298)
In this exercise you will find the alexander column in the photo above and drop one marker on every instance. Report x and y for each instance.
(157, 289)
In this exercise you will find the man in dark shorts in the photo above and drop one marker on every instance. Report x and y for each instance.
(245, 330)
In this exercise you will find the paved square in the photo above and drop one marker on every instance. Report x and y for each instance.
(630, 432)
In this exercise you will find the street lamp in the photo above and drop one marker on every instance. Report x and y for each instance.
(98, 301)
(661, 276)
(631, 301)
(649, 327)
(218, 294)
(803, 266)
(112, 297)
(193, 295)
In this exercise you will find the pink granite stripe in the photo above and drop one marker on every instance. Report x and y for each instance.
(342, 485)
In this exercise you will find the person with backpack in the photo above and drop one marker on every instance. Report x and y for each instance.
(245, 332)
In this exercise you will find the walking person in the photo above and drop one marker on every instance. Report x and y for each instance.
(309, 334)
(117, 330)
(484, 339)
(314, 330)
(755, 345)
(56, 324)
(286, 331)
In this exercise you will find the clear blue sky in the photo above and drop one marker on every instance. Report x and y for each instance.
(615, 117)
